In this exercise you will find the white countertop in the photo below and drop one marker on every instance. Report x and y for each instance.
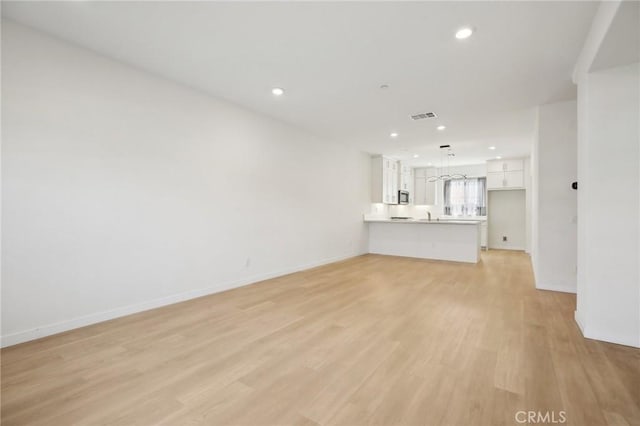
(461, 218)
(424, 221)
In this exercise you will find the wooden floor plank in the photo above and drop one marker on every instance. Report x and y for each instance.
(371, 340)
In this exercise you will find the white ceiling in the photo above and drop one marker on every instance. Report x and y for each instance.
(332, 57)
(621, 45)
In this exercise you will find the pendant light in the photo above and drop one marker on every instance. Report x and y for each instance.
(446, 149)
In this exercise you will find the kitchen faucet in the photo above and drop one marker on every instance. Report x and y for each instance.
(429, 216)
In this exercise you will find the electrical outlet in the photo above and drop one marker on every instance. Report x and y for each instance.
(504, 238)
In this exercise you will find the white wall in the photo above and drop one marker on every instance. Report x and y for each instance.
(532, 198)
(528, 204)
(555, 164)
(124, 191)
(609, 205)
(507, 217)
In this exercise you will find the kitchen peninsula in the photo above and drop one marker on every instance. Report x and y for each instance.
(427, 239)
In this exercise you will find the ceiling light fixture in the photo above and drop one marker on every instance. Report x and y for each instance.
(498, 158)
(463, 33)
(277, 91)
(447, 175)
(393, 135)
(415, 156)
(384, 86)
(492, 148)
(441, 127)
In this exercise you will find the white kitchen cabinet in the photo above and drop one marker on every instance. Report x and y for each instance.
(505, 174)
(406, 179)
(384, 179)
(505, 165)
(394, 181)
(495, 179)
(495, 166)
(514, 179)
(386, 186)
(512, 165)
(420, 190)
(430, 196)
(425, 191)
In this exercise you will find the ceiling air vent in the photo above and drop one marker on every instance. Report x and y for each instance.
(423, 115)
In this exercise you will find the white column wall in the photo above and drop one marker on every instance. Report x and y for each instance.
(609, 156)
(555, 164)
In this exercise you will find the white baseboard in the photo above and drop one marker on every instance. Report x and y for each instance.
(578, 319)
(564, 288)
(59, 327)
(633, 341)
(507, 247)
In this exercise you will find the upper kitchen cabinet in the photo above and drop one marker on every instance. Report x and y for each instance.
(505, 174)
(425, 191)
(406, 179)
(384, 180)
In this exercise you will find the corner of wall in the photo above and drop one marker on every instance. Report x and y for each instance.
(561, 287)
(533, 196)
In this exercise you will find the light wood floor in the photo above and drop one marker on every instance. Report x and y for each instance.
(372, 340)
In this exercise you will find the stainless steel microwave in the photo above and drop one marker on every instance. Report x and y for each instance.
(403, 197)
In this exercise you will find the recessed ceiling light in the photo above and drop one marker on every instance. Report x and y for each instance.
(428, 164)
(415, 156)
(492, 148)
(441, 127)
(463, 33)
(393, 135)
(498, 158)
(277, 91)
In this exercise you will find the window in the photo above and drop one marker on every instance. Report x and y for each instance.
(465, 197)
